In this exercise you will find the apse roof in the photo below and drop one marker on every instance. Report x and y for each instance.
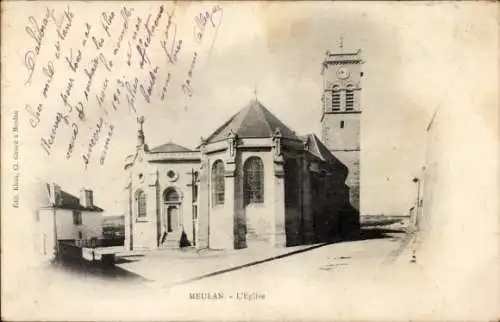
(253, 121)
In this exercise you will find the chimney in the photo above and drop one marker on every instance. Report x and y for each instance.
(86, 198)
(54, 194)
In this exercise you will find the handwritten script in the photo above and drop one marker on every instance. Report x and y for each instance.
(90, 70)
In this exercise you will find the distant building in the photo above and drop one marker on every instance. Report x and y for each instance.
(113, 227)
(253, 181)
(65, 217)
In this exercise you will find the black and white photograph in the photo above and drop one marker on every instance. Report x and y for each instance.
(250, 161)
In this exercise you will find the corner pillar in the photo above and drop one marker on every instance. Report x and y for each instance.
(202, 236)
(129, 216)
(229, 204)
(307, 219)
(279, 231)
(153, 207)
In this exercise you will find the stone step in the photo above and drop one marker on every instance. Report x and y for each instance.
(172, 240)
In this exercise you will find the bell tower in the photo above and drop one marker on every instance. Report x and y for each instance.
(341, 113)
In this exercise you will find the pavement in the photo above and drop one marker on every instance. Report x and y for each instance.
(166, 268)
(369, 279)
(350, 280)
(170, 267)
(353, 280)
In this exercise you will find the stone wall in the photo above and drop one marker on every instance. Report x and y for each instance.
(331, 210)
(457, 241)
(234, 224)
(257, 218)
(154, 178)
(351, 159)
(220, 217)
(294, 199)
(181, 182)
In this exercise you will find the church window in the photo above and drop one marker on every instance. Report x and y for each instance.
(254, 180)
(195, 212)
(341, 124)
(172, 175)
(195, 193)
(140, 198)
(349, 99)
(336, 100)
(171, 195)
(218, 188)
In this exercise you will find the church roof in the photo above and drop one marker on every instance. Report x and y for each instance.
(318, 149)
(170, 147)
(253, 121)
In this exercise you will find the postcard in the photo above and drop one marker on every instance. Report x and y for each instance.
(250, 161)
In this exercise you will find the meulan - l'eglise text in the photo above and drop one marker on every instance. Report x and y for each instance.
(241, 296)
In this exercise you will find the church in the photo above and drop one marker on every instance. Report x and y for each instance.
(253, 182)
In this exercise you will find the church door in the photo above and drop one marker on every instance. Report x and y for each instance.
(172, 218)
(171, 214)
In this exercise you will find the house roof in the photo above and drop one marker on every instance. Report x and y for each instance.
(253, 121)
(66, 200)
(170, 147)
(319, 150)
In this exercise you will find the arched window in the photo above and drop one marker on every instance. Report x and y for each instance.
(349, 99)
(254, 180)
(171, 195)
(140, 197)
(218, 188)
(336, 99)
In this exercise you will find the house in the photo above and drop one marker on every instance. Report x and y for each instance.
(113, 227)
(253, 182)
(66, 218)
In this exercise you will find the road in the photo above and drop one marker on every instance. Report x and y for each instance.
(355, 280)
(331, 281)
(332, 264)
(370, 279)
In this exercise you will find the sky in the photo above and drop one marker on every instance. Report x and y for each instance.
(416, 56)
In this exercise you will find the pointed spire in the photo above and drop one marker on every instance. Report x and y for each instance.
(140, 132)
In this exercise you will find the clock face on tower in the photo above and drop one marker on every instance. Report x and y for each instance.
(343, 73)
